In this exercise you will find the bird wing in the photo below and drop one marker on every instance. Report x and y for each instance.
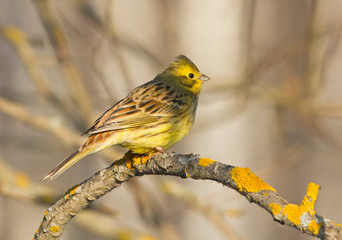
(145, 105)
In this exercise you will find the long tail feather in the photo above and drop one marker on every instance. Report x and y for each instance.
(64, 165)
(94, 143)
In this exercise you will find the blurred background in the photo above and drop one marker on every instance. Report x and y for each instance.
(273, 104)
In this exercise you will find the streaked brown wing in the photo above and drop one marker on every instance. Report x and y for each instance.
(144, 105)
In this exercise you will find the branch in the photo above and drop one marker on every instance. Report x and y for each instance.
(19, 40)
(68, 136)
(302, 217)
(60, 45)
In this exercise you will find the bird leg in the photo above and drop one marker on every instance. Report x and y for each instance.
(161, 150)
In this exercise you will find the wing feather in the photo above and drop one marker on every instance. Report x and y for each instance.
(146, 104)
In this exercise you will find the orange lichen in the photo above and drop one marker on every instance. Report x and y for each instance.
(137, 159)
(205, 161)
(38, 229)
(186, 173)
(22, 180)
(275, 208)
(130, 163)
(314, 227)
(71, 191)
(54, 229)
(311, 196)
(295, 212)
(247, 181)
(146, 158)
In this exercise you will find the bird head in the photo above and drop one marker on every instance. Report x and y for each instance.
(186, 72)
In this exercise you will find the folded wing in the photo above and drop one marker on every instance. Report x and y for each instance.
(145, 105)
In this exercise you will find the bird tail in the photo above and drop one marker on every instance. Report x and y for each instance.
(64, 165)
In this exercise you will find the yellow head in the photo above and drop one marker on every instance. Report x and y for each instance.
(186, 73)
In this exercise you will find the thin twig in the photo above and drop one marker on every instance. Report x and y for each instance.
(68, 136)
(90, 16)
(175, 191)
(20, 42)
(59, 43)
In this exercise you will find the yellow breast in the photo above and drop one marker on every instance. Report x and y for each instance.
(165, 133)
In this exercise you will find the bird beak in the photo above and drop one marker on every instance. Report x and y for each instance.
(204, 78)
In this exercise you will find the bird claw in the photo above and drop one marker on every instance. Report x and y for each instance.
(161, 150)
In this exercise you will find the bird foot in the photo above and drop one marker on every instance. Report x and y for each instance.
(161, 150)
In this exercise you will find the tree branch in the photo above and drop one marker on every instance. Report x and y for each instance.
(302, 217)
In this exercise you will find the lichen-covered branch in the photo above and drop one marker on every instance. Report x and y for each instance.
(302, 217)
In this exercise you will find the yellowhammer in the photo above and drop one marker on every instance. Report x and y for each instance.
(153, 117)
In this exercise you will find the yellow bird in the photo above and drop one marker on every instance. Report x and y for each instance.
(151, 118)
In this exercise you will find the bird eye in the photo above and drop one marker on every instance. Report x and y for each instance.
(191, 75)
